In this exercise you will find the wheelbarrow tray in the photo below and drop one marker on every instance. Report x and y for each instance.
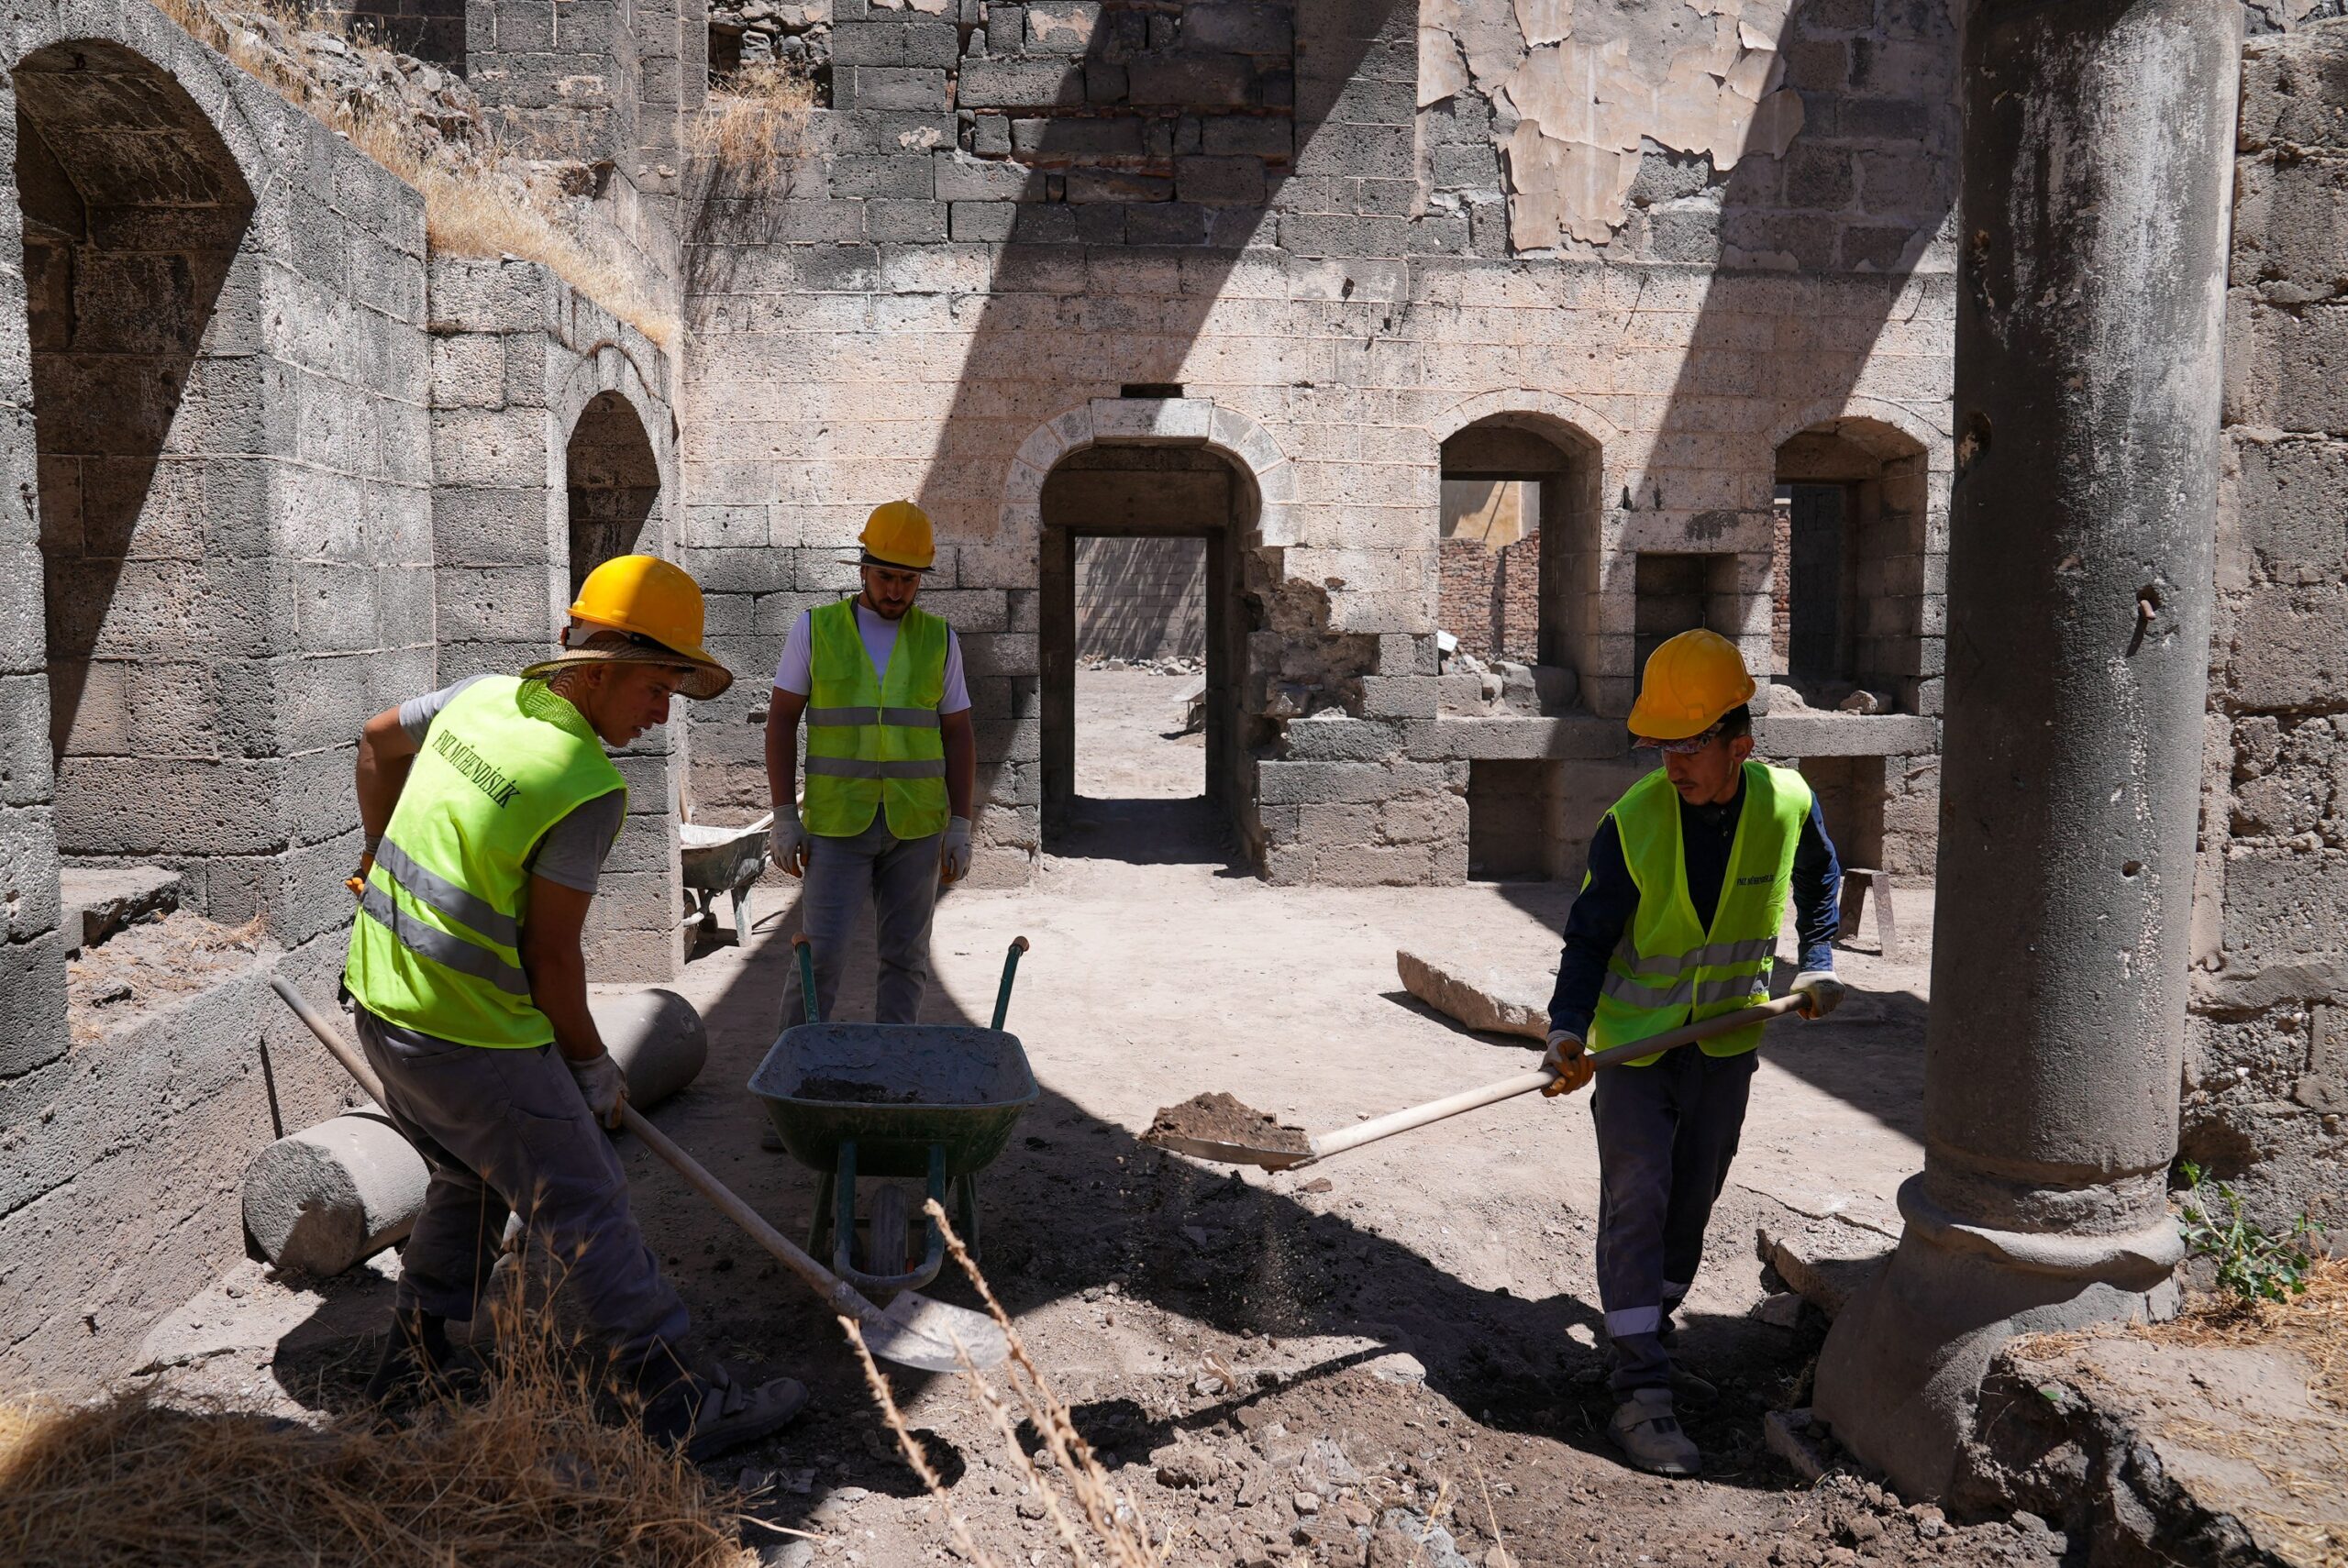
(714, 860)
(957, 1087)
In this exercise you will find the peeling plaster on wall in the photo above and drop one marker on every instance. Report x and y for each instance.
(1576, 93)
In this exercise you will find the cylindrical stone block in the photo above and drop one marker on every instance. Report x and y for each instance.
(657, 1037)
(325, 1197)
(321, 1201)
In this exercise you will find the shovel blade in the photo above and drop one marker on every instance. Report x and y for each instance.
(930, 1336)
(1233, 1154)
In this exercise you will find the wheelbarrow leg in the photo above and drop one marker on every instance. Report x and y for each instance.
(742, 915)
(819, 1231)
(845, 1209)
(966, 1210)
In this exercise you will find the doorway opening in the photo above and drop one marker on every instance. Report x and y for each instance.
(1136, 635)
(1519, 552)
(1849, 564)
(615, 485)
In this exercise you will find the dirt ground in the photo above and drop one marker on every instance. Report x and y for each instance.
(1274, 1361)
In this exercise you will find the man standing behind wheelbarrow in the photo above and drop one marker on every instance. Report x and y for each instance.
(892, 765)
(1676, 921)
(489, 808)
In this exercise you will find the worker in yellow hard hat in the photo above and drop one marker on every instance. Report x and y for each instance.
(488, 808)
(1677, 920)
(891, 766)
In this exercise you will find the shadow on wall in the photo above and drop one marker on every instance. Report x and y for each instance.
(146, 387)
(1141, 597)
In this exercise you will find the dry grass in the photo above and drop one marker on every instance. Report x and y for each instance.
(753, 126)
(2313, 1324)
(522, 1473)
(1095, 1522)
(475, 201)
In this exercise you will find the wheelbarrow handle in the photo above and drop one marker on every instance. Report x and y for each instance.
(1009, 968)
(805, 951)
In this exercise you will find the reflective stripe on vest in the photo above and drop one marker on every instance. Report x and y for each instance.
(1670, 968)
(874, 737)
(436, 947)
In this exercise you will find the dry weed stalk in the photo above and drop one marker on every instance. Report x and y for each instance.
(474, 203)
(1114, 1532)
(520, 1472)
(752, 127)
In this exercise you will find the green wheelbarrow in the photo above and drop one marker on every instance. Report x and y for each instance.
(927, 1102)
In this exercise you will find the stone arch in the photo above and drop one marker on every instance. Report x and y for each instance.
(1930, 439)
(1169, 422)
(1564, 446)
(148, 437)
(611, 452)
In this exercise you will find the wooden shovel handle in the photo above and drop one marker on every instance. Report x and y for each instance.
(1386, 1126)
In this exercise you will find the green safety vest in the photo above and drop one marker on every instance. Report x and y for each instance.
(1669, 969)
(873, 737)
(436, 946)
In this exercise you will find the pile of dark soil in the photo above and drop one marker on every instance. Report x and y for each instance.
(1220, 1119)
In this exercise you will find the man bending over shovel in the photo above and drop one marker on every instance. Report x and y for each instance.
(1676, 921)
(489, 808)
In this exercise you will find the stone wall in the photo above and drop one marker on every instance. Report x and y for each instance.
(553, 437)
(1491, 599)
(2266, 1069)
(1141, 599)
(1321, 245)
(218, 368)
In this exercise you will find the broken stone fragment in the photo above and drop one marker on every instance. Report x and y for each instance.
(1481, 995)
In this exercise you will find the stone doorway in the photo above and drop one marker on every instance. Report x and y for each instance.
(1138, 568)
(614, 481)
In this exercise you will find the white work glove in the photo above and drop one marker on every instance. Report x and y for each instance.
(788, 841)
(1566, 1058)
(601, 1085)
(1823, 989)
(954, 850)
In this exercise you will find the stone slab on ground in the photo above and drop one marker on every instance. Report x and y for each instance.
(2163, 1449)
(1822, 1261)
(1482, 996)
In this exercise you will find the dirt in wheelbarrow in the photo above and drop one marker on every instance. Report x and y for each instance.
(852, 1092)
(1221, 1118)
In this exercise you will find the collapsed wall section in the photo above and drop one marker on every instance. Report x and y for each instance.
(2266, 1084)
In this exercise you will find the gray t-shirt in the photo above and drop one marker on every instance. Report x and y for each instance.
(572, 852)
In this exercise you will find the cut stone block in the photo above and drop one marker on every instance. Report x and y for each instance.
(1481, 995)
(1823, 1262)
(100, 900)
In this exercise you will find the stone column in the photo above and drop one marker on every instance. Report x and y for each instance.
(2097, 189)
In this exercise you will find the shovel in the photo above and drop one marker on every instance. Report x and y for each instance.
(1324, 1145)
(912, 1331)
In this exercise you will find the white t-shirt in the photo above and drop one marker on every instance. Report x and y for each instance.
(796, 675)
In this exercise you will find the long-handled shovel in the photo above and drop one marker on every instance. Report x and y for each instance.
(911, 1331)
(1322, 1145)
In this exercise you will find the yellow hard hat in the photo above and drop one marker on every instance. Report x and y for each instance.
(898, 535)
(658, 608)
(1689, 683)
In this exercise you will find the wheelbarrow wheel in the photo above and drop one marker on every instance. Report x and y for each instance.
(886, 1237)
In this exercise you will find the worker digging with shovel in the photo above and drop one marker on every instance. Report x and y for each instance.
(489, 807)
(1676, 921)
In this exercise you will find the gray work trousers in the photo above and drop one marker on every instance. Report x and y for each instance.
(507, 1130)
(899, 877)
(1666, 1135)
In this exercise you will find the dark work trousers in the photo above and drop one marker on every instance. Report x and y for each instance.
(898, 877)
(1666, 1135)
(507, 1130)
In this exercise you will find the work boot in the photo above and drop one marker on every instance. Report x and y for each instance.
(708, 1413)
(418, 1358)
(1649, 1436)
